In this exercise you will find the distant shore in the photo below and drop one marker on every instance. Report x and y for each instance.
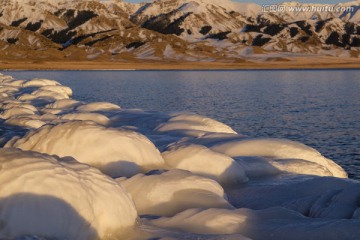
(294, 63)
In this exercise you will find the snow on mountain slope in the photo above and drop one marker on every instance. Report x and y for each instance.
(195, 20)
(189, 30)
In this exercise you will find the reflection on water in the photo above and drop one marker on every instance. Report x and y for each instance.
(320, 108)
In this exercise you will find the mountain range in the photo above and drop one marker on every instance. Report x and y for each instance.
(173, 30)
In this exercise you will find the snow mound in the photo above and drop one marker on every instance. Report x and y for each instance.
(59, 89)
(97, 106)
(11, 105)
(172, 192)
(8, 89)
(205, 162)
(25, 122)
(57, 95)
(64, 104)
(95, 117)
(182, 122)
(16, 111)
(278, 149)
(59, 199)
(42, 97)
(10, 81)
(116, 152)
(38, 82)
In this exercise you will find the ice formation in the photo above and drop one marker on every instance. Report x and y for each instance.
(98, 106)
(76, 170)
(116, 152)
(202, 161)
(193, 122)
(59, 198)
(168, 193)
(280, 149)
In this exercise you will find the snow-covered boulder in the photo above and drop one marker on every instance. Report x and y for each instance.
(64, 104)
(171, 192)
(8, 89)
(25, 122)
(47, 94)
(59, 199)
(14, 104)
(116, 152)
(40, 82)
(205, 162)
(94, 117)
(59, 89)
(97, 106)
(16, 111)
(192, 124)
(279, 149)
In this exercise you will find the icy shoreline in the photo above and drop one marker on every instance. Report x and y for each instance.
(75, 170)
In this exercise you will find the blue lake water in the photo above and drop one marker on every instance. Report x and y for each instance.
(320, 108)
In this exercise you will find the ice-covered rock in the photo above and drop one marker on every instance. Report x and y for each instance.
(10, 81)
(12, 105)
(193, 124)
(205, 162)
(8, 89)
(44, 94)
(24, 121)
(39, 82)
(281, 149)
(59, 89)
(53, 111)
(64, 104)
(172, 192)
(116, 152)
(94, 117)
(59, 199)
(16, 111)
(97, 106)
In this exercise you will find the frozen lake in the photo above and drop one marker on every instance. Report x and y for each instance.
(320, 108)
